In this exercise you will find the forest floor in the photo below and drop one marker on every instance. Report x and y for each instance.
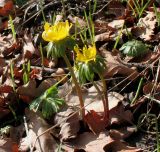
(39, 105)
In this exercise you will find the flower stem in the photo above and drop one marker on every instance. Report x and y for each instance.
(78, 89)
(105, 101)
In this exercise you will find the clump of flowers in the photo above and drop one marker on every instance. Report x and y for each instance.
(87, 64)
(59, 41)
(87, 61)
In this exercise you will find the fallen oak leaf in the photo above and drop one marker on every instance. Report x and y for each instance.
(122, 133)
(95, 122)
(120, 146)
(120, 115)
(114, 66)
(149, 23)
(32, 91)
(90, 143)
(116, 8)
(37, 126)
(28, 48)
(6, 145)
(70, 127)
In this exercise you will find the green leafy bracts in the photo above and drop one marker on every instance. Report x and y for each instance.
(57, 49)
(86, 71)
(134, 48)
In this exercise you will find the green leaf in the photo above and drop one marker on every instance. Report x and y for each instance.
(48, 103)
(134, 48)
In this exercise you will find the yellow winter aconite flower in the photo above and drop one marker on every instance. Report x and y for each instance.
(86, 54)
(57, 32)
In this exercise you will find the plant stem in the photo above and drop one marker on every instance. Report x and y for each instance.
(105, 101)
(138, 90)
(99, 92)
(78, 89)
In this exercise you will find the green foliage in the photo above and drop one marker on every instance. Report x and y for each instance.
(21, 2)
(26, 71)
(12, 76)
(12, 27)
(134, 48)
(86, 71)
(48, 103)
(139, 7)
(58, 49)
(42, 55)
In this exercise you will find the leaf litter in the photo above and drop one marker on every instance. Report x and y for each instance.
(115, 24)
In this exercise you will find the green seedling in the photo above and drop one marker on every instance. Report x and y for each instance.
(12, 76)
(42, 10)
(118, 38)
(42, 55)
(137, 92)
(26, 72)
(20, 2)
(138, 8)
(12, 27)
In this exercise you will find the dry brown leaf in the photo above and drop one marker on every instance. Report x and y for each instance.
(36, 126)
(7, 45)
(120, 115)
(78, 21)
(116, 8)
(89, 142)
(70, 127)
(122, 133)
(2, 65)
(6, 7)
(103, 37)
(90, 96)
(95, 121)
(31, 89)
(114, 66)
(148, 23)
(117, 24)
(119, 146)
(102, 27)
(6, 145)
(150, 87)
(110, 31)
(3, 110)
(103, 31)
(28, 47)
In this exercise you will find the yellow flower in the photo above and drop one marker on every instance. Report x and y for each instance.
(86, 54)
(56, 32)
